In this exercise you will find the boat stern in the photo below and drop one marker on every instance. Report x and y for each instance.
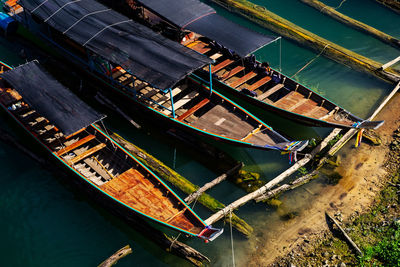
(292, 146)
(209, 233)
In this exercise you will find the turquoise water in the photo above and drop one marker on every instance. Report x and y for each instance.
(46, 221)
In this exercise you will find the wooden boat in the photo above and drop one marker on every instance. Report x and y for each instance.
(89, 153)
(188, 104)
(234, 70)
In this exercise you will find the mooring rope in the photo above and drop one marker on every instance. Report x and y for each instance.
(317, 56)
(233, 251)
(341, 3)
(173, 241)
(105, 129)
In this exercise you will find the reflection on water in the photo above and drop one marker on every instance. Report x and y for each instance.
(45, 221)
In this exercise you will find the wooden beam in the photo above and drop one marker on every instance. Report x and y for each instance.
(349, 240)
(87, 153)
(194, 109)
(259, 83)
(76, 144)
(221, 65)
(123, 252)
(243, 200)
(390, 63)
(350, 133)
(243, 79)
(189, 199)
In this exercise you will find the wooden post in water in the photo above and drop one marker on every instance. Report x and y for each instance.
(348, 239)
(392, 4)
(114, 258)
(350, 133)
(262, 190)
(189, 199)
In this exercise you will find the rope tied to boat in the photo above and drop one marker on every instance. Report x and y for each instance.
(334, 8)
(305, 66)
(292, 157)
(173, 241)
(233, 251)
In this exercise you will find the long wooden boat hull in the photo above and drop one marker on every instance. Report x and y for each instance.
(107, 169)
(226, 121)
(256, 83)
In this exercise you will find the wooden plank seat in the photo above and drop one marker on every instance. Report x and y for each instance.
(243, 79)
(259, 83)
(167, 96)
(87, 153)
(221, 65)
(76, 144)
(270, 91)
(200, 47)
(117, 72)
(194, 109)
(232, 72)
(216, 56)
(182, 101)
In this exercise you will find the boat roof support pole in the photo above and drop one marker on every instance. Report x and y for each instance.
(209, 70)
(172, 102)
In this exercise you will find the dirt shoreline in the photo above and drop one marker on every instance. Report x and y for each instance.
(364, 176)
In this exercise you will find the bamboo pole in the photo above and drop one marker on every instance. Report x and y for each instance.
(348, 239)
(275, 23)
(114, 258)
(358, 25)
(183, 184)
(262, 190)
(392, 4)
(189, 199)
(350, 133)
(296, 183)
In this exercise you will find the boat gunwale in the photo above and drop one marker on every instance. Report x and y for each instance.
(97, 187)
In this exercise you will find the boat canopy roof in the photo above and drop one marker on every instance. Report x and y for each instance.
(50, 98)
(146, 54)
(203, 19)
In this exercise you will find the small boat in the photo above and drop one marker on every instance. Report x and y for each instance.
(235, 69)
(65, 127)
(147, 69)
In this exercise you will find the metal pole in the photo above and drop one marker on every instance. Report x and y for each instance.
(172, 102)
(209, 70)
(280, 54)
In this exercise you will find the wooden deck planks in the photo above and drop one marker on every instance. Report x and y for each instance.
(220, 120)
(136, 191)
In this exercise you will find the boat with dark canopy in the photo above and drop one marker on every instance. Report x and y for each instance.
(235, 69)
(65, 127)
(147, 68)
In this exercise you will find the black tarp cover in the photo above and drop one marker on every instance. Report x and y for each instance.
(50, 98)
(201, 18)
(147, 55)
